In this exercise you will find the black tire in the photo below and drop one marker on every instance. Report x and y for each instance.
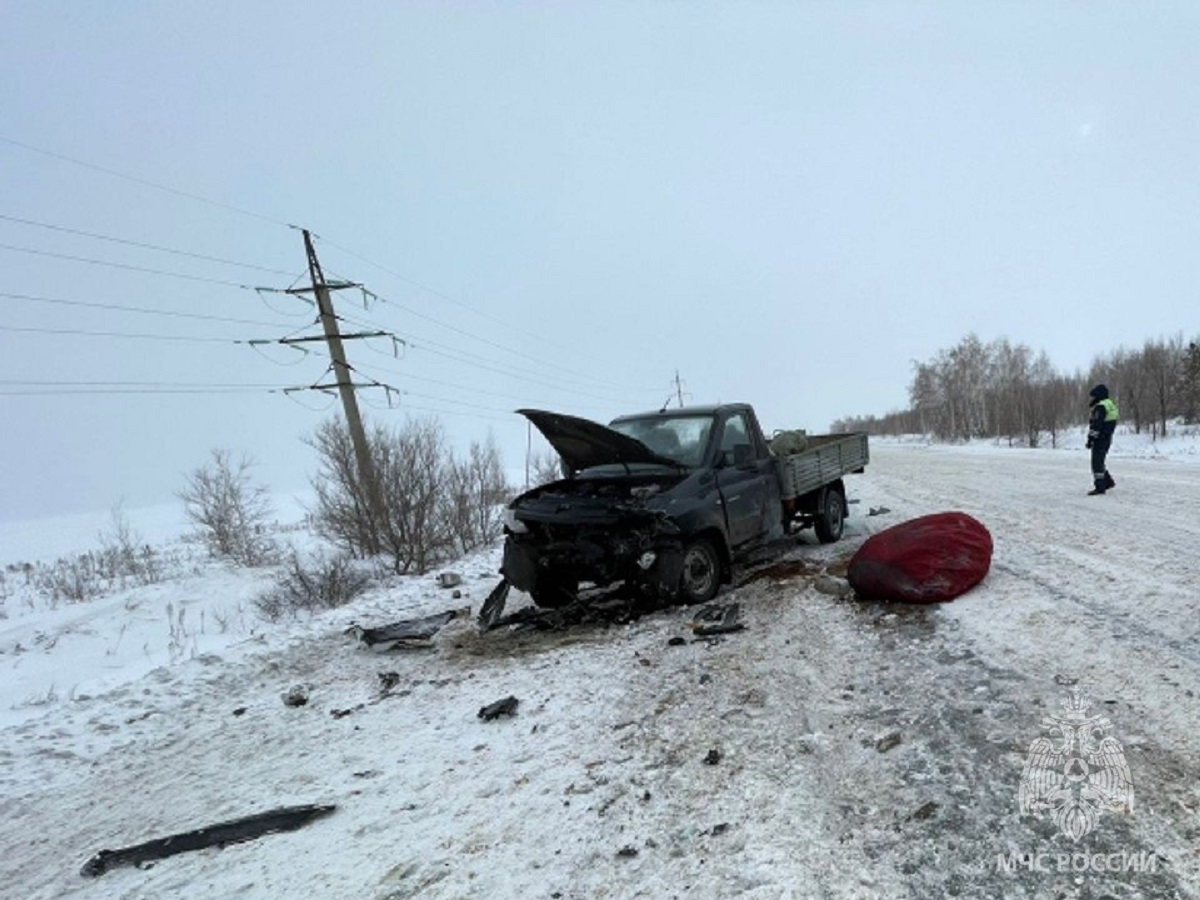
(831, 514)
(552, 593)
(701, 578)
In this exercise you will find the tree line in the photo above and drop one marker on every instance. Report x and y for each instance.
(1007, 391)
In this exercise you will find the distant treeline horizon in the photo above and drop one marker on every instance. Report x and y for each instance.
(1008, 391)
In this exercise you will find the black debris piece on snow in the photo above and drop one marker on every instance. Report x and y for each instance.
(387, 681)
(406, 633)
(296, 696)
(248, 828)
(493, 607)
(505, 707)
(717, 618)
(605, 606)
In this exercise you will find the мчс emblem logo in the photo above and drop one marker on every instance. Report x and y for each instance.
(1077, 772)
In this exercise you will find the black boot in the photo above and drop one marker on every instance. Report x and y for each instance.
(1109, 481)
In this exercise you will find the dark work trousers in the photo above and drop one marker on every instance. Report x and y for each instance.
(1099, 451)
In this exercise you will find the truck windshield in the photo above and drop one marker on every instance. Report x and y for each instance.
(681, 438)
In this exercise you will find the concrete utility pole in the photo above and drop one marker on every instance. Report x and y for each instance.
(341, 375)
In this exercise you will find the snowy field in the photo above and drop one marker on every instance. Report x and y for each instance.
(862, 750)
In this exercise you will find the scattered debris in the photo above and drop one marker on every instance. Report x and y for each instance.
(387, 681)
(608, 606)
(493, 606)
(406, 633)
(888, 741)
(628, 851)
(719, 829)
(925, 811)
(713, 757)
(833, 587)
(449, 579)
(878, 511)
(234, 831)
(297, 695)
(676, 642)
(717, 618)
(505, 707)
(457, 595)
(240, 711)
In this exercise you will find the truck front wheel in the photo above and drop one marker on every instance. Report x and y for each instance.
(831, 514)
(701, 572)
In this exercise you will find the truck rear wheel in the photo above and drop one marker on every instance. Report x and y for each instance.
(831, 514)
(701, 577)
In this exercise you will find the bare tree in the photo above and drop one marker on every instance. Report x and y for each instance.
(412, 473)
(432, 507)
(1162, 362)
(1189, 383)
(477, 490)
(545, 467)
(229, 510)
(343, 513)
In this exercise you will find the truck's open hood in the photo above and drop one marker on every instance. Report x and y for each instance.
(582, 443)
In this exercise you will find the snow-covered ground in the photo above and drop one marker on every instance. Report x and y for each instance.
(862, 750)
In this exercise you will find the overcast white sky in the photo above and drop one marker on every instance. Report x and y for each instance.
(563, 204)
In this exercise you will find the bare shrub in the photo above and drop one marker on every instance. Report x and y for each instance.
(123, 560)
(74, 579)
(477, 489)
(123, 557)
(544, 468)
(412, 469)
(344, 513)
(407, 523)
(311, 586)
(230, 511)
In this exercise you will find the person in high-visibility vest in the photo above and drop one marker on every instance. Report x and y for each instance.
(1101, 425)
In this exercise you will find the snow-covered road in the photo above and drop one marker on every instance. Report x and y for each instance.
(862, 750)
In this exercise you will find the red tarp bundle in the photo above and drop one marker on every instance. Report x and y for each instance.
(924, 560)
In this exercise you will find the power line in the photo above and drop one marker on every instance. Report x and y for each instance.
(146, 384)
(119, 334)
(462, 387)
(433, 291)
(471, 359)
(501, 347)
(456, 356)
(137, 309)
(101, 262)
(131, 243)
(78, 392)
(147, 183)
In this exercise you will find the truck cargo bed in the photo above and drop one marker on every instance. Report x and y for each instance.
(826, 459)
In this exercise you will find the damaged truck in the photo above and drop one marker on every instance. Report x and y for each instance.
(667, 503)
